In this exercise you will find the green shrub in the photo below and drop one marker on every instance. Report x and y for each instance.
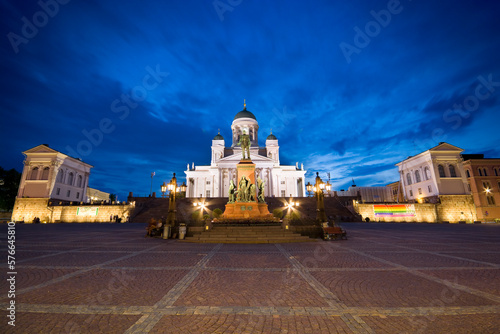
(206, 217)
(217, 213)
(278, 213)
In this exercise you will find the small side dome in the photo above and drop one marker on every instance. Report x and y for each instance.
(271, 136)
(218, 136)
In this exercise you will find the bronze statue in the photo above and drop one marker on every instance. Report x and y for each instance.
(251, 197)
(245, 145)
(261, 184)
(232, 192)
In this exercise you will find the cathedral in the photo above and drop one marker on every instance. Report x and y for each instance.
(214, 180)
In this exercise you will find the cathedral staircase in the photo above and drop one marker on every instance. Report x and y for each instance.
(247, 235)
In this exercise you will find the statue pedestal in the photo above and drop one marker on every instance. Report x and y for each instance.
(245, 168)
(246, 210)
(241, 210)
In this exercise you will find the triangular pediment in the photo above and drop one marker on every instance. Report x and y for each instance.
(237, 157)
(445, 147)
(41, 149)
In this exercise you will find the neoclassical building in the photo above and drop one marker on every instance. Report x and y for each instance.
(213, 180)
(437, 171)
(48, 173)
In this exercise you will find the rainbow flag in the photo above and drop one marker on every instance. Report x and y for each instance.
(394, 210)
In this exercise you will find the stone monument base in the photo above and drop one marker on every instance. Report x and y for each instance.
(245, 210)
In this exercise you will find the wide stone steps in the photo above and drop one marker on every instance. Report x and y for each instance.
(248, 234)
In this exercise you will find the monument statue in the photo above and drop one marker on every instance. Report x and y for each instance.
(232, 192)
(245, 145)
(261, 184)
(243, 190)
(251, 197)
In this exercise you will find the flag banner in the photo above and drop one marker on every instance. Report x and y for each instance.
(87, 211)
(397, 210)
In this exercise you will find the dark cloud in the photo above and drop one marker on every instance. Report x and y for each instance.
(396, 97)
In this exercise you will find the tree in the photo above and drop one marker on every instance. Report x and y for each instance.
(112, 197)
(9, 185)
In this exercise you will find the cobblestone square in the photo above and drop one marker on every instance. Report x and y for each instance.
(386, 278)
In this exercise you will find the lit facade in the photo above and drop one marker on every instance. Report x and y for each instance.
(48, 173)
(213, 180)
(435, 172)
(483, 176)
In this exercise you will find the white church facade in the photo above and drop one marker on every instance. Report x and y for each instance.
(214, 180)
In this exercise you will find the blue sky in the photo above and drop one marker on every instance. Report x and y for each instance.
(349, 88)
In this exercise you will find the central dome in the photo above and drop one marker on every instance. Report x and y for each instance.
(244, 114)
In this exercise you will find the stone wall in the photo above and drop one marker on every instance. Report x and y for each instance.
(26, 209)
(452, 208)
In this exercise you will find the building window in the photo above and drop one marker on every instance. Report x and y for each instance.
(430, 189)
(77, 195)
(60, 176)
(491, 200)
(208, 193)
(208, 182)
(282, 182)
(58, 191)
(480, 172)
(427, 172)
(441, 171)
(486, 185)
(411, 193)
(70, 179)
(468, 187)
(496, 172)
(484, 172)
(417, 177)
(420, 191)
(453, 173)
(68, 193)
(45, 173)
(283, 193)
(34, 174)
(80, 179)
(408, 178)
(468, 173)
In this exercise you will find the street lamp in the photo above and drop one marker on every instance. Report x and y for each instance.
(172, 187)
(328, 188)
(309, 188)
(163, 190)
(318, 188)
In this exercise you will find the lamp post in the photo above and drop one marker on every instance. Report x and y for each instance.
(163, 190)
(318, 188)
(172, 187)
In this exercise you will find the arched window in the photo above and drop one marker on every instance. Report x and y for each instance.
(34, 173)
(453, 173)
(468, 173)
(417, 177)
(496, 172)
(427, 172)
(70, 179)
(480, 172)
(60, 176)
(79, 182)
(408, 178)
(484, 172)
(45, 173)
(441, 171)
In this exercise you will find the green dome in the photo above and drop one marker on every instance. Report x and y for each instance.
(271, 137)
(244, 114)
(218, 137)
